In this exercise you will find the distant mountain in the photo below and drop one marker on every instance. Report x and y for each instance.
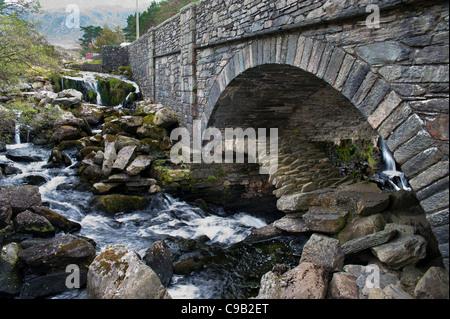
(52, 23)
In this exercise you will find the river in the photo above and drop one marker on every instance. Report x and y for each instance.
(166, 217)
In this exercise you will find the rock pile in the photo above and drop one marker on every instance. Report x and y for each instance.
(366, 243)
(34, 261)
(128, 154)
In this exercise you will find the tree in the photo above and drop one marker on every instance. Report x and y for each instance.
(155, 14)
(23, 51)
(108, 37)
(90, 33)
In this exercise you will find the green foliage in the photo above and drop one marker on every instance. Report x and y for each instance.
(23, 51)
(37, 119)
(155, 14)
(90, 33)
(108, 37)
(113, 91)
(91, 96)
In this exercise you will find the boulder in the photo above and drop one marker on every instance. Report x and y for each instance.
(402, 251)
(48, 285)
(433, 285)
(69, 97)
(103, 188)
(110, 155)
(113, 204)
(11, 277)
(140, 163)
(293, 223)
(5, 212)
(343, 286)
(57, 253)
(118, 273)
(58, 159)
(159, 259)
(58, 221)
(359, 244)
(373, 203)
(129, 124)
(323, 251)
(391, 291)
(92, 113)
(66, 133)
(123, 178)
(306, 281)
(124, 156)
(123, 141)
(325, 220)
(298, 202)
(362, 226)
(372, 279)
(30, 223)
(165, 118)
(21, 197)
(263, 233)
(270, 287)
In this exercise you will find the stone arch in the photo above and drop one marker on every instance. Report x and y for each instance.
(414, 149)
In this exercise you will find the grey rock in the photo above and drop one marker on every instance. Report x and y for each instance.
(383, 52)
(270, 287)
(359, 244)
(433, 285)
(306, 281)
(5, 212)
(323, 251)
(110, 156)
(165, 118)
(57, 253)
(48, 285)
(118, 273)
(402, 251)
(11, 278)
(325, 220)
(298, 202)
(362, 226)
(124, 156)
(291, 224)
(21, 197)
(343, 286)
(373, 204)
(159, 259)
(140, 163)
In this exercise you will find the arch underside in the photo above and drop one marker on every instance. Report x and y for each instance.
(314, 99)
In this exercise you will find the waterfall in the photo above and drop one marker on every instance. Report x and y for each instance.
(17, 129)
(395, 178)
(91, 84)
(87, 81)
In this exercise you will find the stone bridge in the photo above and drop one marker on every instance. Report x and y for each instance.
(317, 70)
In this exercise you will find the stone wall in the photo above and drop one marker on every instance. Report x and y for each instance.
(394, 79)
(114, 56)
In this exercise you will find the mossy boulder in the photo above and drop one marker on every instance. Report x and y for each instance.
(30, 223)
(115, 203)
(118, 273)
(114, 91)
(168, 174)
(91, 96)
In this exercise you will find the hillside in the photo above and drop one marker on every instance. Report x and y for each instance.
(52, 23)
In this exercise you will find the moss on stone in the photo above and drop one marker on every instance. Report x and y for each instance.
(113, 204)
(114, 91)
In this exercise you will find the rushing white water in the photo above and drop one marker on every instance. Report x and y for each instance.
(396, 178)
(165, 217)
(90, 81)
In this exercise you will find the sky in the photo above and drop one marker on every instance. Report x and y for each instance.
(83, 4)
